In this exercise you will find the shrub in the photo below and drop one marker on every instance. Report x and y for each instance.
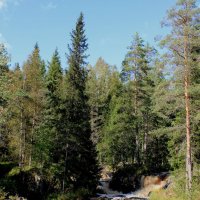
(80, 194)
(3, 194)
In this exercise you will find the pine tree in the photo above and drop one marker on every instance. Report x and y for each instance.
(184, 20)
(135, 72)
(80, 159)
(102, 80)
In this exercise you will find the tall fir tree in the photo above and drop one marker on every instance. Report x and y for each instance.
(49, 137)
(81, 164)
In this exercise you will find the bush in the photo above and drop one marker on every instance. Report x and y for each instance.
(3, 194)
(80, 194)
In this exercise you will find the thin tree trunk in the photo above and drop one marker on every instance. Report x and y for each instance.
(188, 139)
(65, 169)
(22, 132)
(146, 131)
(20, 142)
(145, 139)
(24, 145)
(187, 109)
(32, 132)
(137, 159)
(137, 149)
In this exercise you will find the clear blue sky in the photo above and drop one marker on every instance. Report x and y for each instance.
(110, 25)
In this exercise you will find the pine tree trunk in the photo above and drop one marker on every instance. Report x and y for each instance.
(188, 139)
(187, 109)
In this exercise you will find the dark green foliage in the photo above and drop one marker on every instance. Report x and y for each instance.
(127, 179)
(196, 145)
(81, 169)
(157, 157)
(29, 183)
(117, 141)
(5, 167)
(80, 194)
(136, 73)
(49, 131)
(102, 82)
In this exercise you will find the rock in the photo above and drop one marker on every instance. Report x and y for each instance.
(149, 184)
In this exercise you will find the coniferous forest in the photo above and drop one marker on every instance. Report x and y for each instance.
(60, 126)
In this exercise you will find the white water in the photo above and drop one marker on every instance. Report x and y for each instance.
(115, 195)
(143, 193)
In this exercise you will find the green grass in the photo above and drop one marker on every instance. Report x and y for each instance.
(176, 191)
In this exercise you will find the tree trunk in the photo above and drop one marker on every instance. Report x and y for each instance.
(137, 125)
(20, 142)
(188, 139)
(146, 131)
(187, 109)
(22, 132)
(32, 133)
(65, 169)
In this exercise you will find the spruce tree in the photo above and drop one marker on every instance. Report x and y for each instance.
(49, 130)
(80, 159)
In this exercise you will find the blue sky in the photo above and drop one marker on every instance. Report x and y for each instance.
(110, 25)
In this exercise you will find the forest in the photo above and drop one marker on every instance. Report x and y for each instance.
(60, 126)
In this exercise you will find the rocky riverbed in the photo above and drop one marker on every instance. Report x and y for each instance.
(148, 185)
